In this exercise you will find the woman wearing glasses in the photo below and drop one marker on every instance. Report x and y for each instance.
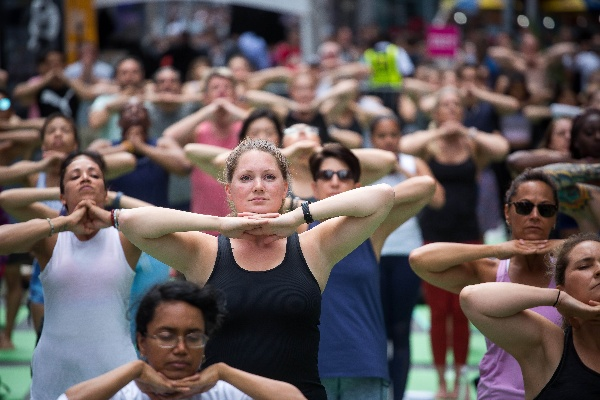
(174, 322)
(530, 213)
(558, 362)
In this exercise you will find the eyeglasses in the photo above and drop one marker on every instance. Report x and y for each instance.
(342, 174)
(296, 129)
(526, 207)
(169, 340)
(4, 104)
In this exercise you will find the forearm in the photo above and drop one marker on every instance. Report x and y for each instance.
(171, 159)
(492, 146)
(263, 98)
(417, 142)
(19, 171)
(375, 163)
(107, 385)
(154, 222)
(98, 118)
(359, 203)
(13, 199)
(568, 174)
(520, 160)
(119, 200)
(348, 138)
(205, 156)
(258, 387)
(506, 104)
(181, 131)
(23, 236)
(440, 257)
(119, 163)
(503, 299)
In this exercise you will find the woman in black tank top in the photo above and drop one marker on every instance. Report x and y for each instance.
(271, 276)
(456, 154)
(556, 363)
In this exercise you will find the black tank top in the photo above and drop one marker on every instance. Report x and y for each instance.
(572, 379)
(271, 327)
(318, 121)
(457, 220)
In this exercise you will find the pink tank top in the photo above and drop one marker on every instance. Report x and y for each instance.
(501, 376)
(208, 195)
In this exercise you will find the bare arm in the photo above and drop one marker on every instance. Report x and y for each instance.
(207, 157)
(255, 386)
(348, 138)
(518, 161)
(260, 79)
(26, 92)
(18, 172)
(410, 196)
(107, 385)
(119, 163)
(490, 147)
(279, 104)
(503, 103)
(500, 310)
(452, 266)
(374, 164)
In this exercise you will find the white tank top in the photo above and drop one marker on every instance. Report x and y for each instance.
(407, 236)
(86, 328)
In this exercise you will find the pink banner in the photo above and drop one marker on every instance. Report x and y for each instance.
(442, 41)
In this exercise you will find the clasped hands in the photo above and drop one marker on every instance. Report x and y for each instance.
(248, 225)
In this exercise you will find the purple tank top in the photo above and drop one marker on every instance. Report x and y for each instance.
(501, 376)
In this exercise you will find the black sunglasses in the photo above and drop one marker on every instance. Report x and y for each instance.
(526, 207)
(327, 174)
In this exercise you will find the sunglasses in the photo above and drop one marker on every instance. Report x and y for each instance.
(526, 207)
(342, 174)
(4, 104)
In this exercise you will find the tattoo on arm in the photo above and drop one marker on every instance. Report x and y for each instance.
(565, 174)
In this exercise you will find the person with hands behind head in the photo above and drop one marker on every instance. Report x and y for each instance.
(530, 212)
(155, 159)
(174, 322)
(353, 346)
(86, 274)
(456, 155)
(272, 287)
(556, 362)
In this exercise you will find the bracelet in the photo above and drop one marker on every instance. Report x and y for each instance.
(308, 218)
(117, 201)
(112, 217)
(557, 299)
(117, 213)
(51, 227)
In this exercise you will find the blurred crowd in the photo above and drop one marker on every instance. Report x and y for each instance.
(501, 106)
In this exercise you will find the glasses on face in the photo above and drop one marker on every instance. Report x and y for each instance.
(526, 207)
(169, 340)
(4, 104)
(342, 174)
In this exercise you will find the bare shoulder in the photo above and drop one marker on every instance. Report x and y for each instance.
(486, 269)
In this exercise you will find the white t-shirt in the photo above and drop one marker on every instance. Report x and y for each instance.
(221, 391)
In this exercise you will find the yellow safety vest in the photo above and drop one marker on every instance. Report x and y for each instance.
(384, 71)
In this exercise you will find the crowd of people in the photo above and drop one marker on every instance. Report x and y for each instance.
(298, 229)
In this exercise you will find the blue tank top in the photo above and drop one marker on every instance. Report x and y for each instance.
(353, 337)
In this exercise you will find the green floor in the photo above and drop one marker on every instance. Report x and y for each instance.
(422, 382)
